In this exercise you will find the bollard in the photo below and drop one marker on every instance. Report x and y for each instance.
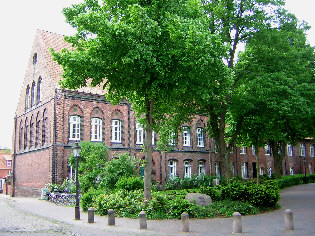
(143, 220)
(185, 222)
(90, 215)
(111, 217)
(237, 222)
(288, 219)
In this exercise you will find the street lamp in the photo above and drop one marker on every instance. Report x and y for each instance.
(76, 153)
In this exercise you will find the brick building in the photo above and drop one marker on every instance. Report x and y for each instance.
(49, 120)
(6, 164)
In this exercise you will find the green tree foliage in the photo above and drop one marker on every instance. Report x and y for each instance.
(123, 166)
(92, 160)
(153, 53)
(276, 95)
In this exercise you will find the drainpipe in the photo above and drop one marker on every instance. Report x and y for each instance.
(13, 162)
(54, 152)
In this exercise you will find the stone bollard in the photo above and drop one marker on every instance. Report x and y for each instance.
(90, 215)
(237, 222)
(111, 217)
(185, 222)
(143, 220)
(288, 219)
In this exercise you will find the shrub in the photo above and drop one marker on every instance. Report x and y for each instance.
(124, 166)
(87, 198)
(228, 207)
(196, 181)
(130, 183)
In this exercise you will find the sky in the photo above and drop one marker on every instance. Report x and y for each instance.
(19, 21)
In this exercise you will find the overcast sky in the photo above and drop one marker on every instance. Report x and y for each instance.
(19, 21)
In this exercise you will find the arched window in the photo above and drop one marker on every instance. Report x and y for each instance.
(21, 137)
(96, 129)
(34, 59)
(27, 97)
(44, 130)
(172, 169)
(33, 94)
(202, 167)
(38, 129)
(32, 132)
(39, 87)
(26, 131)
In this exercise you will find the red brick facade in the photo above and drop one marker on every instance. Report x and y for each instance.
(43, 135)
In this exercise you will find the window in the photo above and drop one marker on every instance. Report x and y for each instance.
(27, 97)
(302, 149)
(172, 139)
(74, 127)
(38, 126)
(253, 150)
(44, 129)
(32, 133)
(116, 131)
(244, 170)
(34, 59)
(172, 169)
(96, 129)
(312, 150)
(139, 134)
(242, 150)
(217, 169)
(200, 137)
(270, 172)
(291, 171)
(26, 133)
(289, 150)
(21, 137)
(267, 149)
(153, 138)
(9, 163)
(233, 169)
(186, 137)
(187, 169)
(39, 86)
(261, 171)
(201, 168)
(33, 94)
(310, 168)
(215, 146)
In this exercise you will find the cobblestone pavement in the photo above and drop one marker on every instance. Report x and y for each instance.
(37, 217)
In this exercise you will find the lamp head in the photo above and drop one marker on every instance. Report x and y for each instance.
(76, 149)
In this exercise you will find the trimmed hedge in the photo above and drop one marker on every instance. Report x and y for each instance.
(291, 180)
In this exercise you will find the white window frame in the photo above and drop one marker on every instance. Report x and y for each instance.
(153, 138)
(187, 169)
(96, 129)
(291, 171)
(302, 150)
(244, 170)
(312, 150)
(139, 134)
(289, 150)
(215, 144)
(9, 163)
(172, 169)
(310, 168)
(116, 131)
(253, 150)
(201, 168)
(267, 150)
(270, 172)
(186, 136)
(74, 128)
(171, 140)
(200, 137)
(242, 150)
(261, 170)
(217, 169)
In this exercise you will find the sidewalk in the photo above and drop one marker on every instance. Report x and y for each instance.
(300, 199)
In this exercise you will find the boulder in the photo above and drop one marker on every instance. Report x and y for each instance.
(199, 199)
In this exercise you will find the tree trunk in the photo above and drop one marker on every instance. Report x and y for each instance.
(275, 146)
(257, 162)
(149, 150)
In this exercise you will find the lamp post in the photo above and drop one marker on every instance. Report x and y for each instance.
(76, 153)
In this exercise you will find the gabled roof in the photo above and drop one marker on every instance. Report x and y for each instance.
(56, 41)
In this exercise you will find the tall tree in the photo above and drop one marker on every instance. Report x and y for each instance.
(153, 53)
(278, 88)
(236, 21)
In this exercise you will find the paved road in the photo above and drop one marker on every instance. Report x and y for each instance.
(26, 215)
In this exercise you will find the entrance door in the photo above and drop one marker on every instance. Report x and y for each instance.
(254, 170)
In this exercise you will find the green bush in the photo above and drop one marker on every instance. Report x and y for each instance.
(228, 207)
(196, 181)
(130, 183)
(87, 198)
(124, 166)
(291, 180)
